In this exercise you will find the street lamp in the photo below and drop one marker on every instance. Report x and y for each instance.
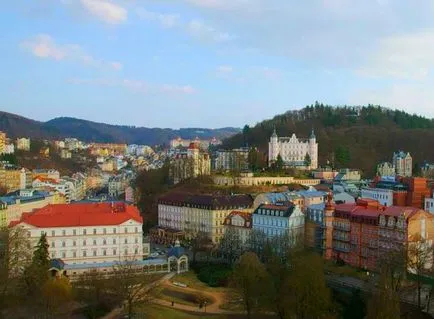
(205, 305)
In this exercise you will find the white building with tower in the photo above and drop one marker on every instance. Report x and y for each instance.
(293, 150)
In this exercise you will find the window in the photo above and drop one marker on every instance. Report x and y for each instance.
(136, 230)
(136, 251)
(53, 244)
(74, 254)
(53, 233)
(126, 241)
(104, 252)
(114, 252)
(84, 253)
(53, 255)
(114, 230)
(94, 231)
(94, 253)
(104, 231)
(63, 232)
(126, 252)
(74, 243)
(104, 242)
(126, 230)
(84, 242)
(114, 241)
(84, 232)
(94, 242)
(63, 244)
(74, 232)
(63, 254)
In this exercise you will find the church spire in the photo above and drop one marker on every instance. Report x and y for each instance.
(274, 132)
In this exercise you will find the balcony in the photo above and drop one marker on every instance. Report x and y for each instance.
(341, 238)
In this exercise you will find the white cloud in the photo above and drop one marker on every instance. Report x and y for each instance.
(195, 28)
(200, 29)
(224, 69)
(404, 56)
(137, 86)
(218, 4)
(165, 20)
(45, 46)
(116, 65)
(105, 10)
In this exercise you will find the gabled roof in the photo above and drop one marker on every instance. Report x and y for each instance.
(247, 217)
(72, 215)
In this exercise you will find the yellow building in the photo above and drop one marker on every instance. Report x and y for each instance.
(191, 164)
(200, 213)
(13, 178)
(2, 142)
(23, 144)
(25, 201)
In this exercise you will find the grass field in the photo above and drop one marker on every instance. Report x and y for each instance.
(191, 280)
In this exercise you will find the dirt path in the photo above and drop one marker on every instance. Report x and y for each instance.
(218, 298)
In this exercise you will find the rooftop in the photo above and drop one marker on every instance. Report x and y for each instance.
(70, 215)
(207, 200)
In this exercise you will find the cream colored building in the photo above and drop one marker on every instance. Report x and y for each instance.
(23, 144)
(200, 213)
(193, 163)
(2, 142)
(293, 150)
(87, 233)
(247, 179)
(14, 178)
(241, 224)
(386, 169)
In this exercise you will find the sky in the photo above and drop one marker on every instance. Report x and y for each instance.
(212, 63)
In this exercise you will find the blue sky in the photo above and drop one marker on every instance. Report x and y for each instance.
(212, 63)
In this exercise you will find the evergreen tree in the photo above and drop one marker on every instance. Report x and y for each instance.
(279, 163)
(307, 160)
(36, 274)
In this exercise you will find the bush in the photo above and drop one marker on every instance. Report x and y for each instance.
(214, 275)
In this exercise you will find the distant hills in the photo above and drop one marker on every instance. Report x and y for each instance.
(350, 136)
(88, 131)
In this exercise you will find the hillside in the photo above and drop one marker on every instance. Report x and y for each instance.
(18, 126)
(357, 137)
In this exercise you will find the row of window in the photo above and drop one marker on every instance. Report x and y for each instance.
(95, 242)
(104, 252)
(95, 232)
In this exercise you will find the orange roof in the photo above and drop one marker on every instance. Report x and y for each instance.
(88, 214)
(244, 215)
(45, 179)
(400, 210)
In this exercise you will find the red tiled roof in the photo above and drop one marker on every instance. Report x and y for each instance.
(277, 207)
(89, 214)
(45, 179)
(244, 215)
(400, 210)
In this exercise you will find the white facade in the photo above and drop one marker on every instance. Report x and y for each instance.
(9, 148)
(65, 188)
(293, 150)
(385, 169)
(273, 221)
(383, 196)
(241, 224)
(403, 163)
(23, 144)
(97, 244)
(230, 160)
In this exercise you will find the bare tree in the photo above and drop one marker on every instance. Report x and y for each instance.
(15, 255)
(231, 246)
(130, 286)
(419, 262)
(199, 242)
(250, 279)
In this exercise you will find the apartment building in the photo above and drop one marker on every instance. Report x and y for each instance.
(194, 213)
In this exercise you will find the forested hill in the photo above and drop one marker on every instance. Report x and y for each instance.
(356, 137)
(88, 131)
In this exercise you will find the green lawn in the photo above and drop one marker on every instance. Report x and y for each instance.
(191, 280)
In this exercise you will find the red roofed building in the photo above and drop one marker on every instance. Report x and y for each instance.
(361, 233)
(87, 233)
(240, 223)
